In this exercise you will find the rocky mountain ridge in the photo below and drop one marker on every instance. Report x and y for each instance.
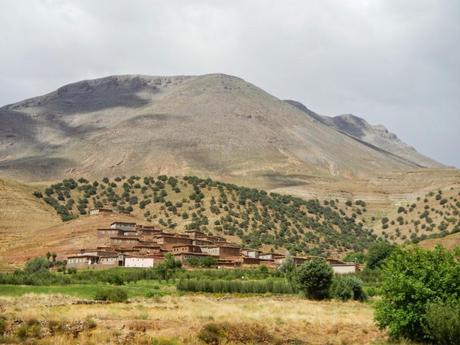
(211, 125)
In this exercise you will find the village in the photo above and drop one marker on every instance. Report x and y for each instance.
(126, 244)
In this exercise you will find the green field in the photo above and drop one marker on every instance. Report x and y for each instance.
(136, 289)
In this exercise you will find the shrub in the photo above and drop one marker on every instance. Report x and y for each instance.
(348, 287)
(443, 323)
(38, 194)
(377, 254)
(413, 278)
(2, 325)
(211, 333)
(37, 265)
(112, 295)
(237, 333)
(314, 278)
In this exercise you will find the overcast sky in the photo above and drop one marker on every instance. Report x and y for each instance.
(393, 62)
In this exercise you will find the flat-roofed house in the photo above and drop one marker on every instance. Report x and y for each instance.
(299, 260)
(186, 248)
(96, 211)
(169, 241)
(124, 241)
(110, 260)
(148, 232)
(201, 242)
(109, 232)
(123, 226)
(222, 250)
(147, 248)
(81, 261)
(229, 263)
(345, 268)
(271, 256)
(249, 261)
(186, 256)
(196, 234)
(332, 261)
(216, 239)
(139, 261)
(250, 253)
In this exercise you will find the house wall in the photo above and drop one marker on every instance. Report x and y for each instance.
(229, 251)
(251, 253)
(122, 226)
(139, 262)
(344, 269)
(101, 233)
(211, 250)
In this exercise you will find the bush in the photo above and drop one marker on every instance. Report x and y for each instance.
(443, 323)
(2, 325)
(112, 295)
(413, 278)
(348, 287)
(314, 278)
(211, 333)
(378, 253)
(37, 265)
(234, 286)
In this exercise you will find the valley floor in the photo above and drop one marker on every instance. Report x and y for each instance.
(176, 319)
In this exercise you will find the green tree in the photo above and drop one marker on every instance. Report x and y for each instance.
(413, 278)
(314, 278)
(37, 265)
(377, 254)
(288, 269)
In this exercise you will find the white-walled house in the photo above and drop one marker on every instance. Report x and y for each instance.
(139, 261)
(345, 268)
(123, 226)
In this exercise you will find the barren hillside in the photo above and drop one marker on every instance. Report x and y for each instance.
(211, 125)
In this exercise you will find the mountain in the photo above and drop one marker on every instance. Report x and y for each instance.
(376, 136)
(211, 125)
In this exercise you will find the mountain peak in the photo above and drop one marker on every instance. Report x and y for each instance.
(376, 135)
(213, 124)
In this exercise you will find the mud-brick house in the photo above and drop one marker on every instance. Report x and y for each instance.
(249, 261)
(186, 256)
(229, 263)
(96, 211)
(271, 256)
(109, 232)
(148, 248)
(345, 268)
(82, 261)
(107, 260)
(224, 250)
(195, 234)
(201, 242)
(216, 239)
(186, 248)
(299, 260)
(250, 253)
(123, 226)
(147, 231)
(341, 267)
(94, 259)
(120, 241)
(167, 242)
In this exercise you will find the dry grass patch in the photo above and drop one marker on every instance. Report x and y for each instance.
(263, 320)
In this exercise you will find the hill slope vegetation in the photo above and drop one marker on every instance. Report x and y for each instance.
(251, 216)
